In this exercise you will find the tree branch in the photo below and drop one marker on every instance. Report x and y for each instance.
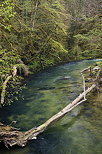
(14, 72)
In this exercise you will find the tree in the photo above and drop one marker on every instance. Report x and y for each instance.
(85, 32)
(33, 31)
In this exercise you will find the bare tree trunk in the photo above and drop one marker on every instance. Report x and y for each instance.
(14, 72)
(15, 137)
(11, 136)
(34, 16)
(35, 131)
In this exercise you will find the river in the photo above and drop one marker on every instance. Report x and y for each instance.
(46, 93)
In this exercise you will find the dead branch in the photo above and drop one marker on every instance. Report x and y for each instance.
(84, 70)
(83, 85)
(19, 138)
(34, 132)
(15, 137)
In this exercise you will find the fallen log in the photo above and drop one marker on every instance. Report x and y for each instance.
(31, 134)
(88, 68)
(11, 136)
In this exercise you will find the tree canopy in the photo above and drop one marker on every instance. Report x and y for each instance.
(43, 33)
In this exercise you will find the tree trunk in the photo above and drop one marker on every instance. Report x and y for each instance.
(11, 136)
(14, 137)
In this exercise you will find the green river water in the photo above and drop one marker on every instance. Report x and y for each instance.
(46, 93)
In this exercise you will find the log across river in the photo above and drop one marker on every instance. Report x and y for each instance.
(47, 93)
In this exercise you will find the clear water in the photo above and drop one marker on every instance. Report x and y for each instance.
(46, 93)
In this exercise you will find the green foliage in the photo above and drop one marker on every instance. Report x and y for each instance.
(6, 14)
(37, 31)
(85, 36)
(90, 37)
(45, 32)
(8, 59)
(14, 90)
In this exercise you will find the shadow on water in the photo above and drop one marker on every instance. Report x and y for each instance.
(46, 93)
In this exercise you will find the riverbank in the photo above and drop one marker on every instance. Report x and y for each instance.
(16, 84)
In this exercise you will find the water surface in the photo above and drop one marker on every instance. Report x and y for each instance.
(46, 93)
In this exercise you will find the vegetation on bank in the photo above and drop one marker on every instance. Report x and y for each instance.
(43, 33)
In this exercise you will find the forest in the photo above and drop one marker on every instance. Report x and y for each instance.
(35, 34)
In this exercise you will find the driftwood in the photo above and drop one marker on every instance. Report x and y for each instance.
(11, 136)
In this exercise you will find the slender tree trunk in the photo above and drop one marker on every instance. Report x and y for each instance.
(34, 14)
